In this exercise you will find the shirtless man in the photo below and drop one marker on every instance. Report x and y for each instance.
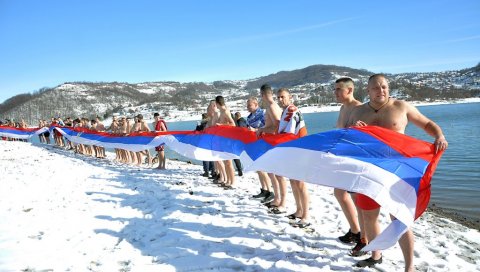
(115, 130)
(220, 176)
(93, 127)
(273, 113)
(292, 122)
(160, 125)
(344, 93)
(256, 120)
(101, 128)
(141, 126)
(41, 136)
(392, 114)
(225, 118)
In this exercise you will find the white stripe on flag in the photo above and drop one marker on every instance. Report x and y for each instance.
(386, 188)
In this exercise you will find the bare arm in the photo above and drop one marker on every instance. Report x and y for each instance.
(145, 127)
(428, 126)
(274, 115)
(162, 127)
(229, 120)
(341, 122)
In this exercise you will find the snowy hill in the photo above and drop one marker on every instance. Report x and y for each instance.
(311, 86)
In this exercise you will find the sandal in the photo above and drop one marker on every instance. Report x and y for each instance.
(370, 262)
(302, 225)
(276, 210)
(270, 205)
(293, 216)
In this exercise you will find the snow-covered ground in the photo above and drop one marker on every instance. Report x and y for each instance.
(65, 212)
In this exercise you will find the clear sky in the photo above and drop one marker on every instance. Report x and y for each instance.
(46, 43)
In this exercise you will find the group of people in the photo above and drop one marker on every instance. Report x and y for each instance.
(282, 116)
(381, 110)
(125, 126)
(278, 117)
(13, 124)
(119, 126)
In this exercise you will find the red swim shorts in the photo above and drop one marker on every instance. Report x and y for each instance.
(366, 203)
(160, 148)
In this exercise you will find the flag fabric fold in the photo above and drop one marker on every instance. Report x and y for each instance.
(391, 168)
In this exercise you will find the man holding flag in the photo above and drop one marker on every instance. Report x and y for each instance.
(392, 114)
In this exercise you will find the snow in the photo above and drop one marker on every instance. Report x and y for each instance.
(66, 212)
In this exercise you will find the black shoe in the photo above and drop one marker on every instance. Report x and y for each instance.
(269, 205)
(368, 262)
(205, 174)
(357, 249)
(213, 176)
(293, 216)
(276, 210)
(350, 237)
(302, 225)
(262, 194)
(269, 196)
(240, 173)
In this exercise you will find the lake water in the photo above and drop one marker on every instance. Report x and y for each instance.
(456, 183)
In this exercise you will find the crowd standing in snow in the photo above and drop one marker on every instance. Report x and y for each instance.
(278, 117)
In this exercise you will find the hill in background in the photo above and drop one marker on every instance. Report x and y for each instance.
(312, 85)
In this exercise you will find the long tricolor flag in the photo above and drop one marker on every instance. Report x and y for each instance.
(393, 169)
(20, 133)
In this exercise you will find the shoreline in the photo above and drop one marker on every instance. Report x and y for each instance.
(454, 216)
(185, 116)
(432, 209)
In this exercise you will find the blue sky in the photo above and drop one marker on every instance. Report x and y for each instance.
(46, 43)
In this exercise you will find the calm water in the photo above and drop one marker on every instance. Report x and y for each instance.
(456, 183)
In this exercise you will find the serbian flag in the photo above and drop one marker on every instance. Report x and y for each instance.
(393, 169)
(135, 142)
(20, 133)
(213, 144)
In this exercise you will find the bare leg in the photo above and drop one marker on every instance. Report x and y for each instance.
(361, 221)
(264, 180)
(276, 189)
(372, 228)
(149, 157)
(348, 208)
(139, 158)
(230, 172)
(406, 243)
(161, 160)
(296, 196)
(282, 184)
(221, 170)
(304, 199)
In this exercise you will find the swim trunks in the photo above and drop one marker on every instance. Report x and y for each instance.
(366, 203)
(160, 147)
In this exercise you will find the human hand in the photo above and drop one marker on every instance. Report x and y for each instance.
(440, 144)
(360, 123)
